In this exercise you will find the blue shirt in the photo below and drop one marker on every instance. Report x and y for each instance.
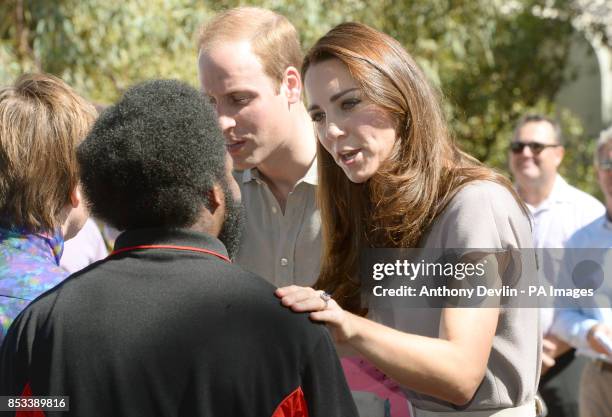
(573, 324)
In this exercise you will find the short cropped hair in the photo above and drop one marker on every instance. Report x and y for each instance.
(535, 118)
(604, 142)
(273, 38)
(150, 159)
(42, 120)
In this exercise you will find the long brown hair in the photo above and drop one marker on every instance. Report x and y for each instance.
(397, 206)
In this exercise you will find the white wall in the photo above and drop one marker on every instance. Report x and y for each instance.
(585, 96)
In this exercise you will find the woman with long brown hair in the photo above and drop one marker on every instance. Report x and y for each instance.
(391, 176)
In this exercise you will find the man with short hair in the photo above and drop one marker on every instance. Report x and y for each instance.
(589, 330)
(558, 210)
(249, 60)
(42, 120)
(167, 325)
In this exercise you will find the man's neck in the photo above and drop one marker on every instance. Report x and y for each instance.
(536, 194)
(288, 164)
(207, 223)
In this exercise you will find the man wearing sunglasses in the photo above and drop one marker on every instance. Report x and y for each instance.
(558, 210)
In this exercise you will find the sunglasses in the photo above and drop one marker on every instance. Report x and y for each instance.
(535, 147)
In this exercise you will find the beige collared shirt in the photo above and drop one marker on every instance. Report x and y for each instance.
(284, 248)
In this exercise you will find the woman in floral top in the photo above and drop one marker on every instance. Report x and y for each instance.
(42, 120)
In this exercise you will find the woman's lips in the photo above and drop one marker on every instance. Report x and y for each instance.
(348, 157)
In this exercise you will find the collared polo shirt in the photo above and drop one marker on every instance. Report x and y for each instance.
(284, 248)
(167, 326)
(566, 210)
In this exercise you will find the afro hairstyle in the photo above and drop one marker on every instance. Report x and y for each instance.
(150, 159)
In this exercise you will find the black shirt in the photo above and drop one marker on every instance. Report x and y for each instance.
(172, 331)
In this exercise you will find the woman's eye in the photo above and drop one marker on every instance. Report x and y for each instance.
(350, 103)
(317, 117)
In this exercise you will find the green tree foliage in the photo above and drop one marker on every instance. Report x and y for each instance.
(492, 62)
(100, 47)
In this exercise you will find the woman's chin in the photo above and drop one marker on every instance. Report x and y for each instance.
(357, 178)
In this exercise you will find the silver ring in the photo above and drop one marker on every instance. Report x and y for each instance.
(325, 296)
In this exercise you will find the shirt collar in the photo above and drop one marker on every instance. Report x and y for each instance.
(49, 244)
(310, 177)
(56, 243)
(559, 192)
(249, 175)
(176, 237)
(311, 174)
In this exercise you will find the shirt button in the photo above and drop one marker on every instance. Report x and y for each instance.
(284, 261)
(274, 210)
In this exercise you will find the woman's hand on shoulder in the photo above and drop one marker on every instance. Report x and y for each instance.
(321, 307)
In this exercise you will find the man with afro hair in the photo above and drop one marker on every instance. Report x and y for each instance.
(167, 325)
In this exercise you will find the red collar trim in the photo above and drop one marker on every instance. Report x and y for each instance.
(174, 247)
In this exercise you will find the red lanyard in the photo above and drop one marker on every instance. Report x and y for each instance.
(185, 248)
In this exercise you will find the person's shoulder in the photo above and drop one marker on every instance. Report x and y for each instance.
(588, 236)
(479, 187)
(27, 278)
(246, 282)
(482, 214)
(255, 290)
(582, 200)
(483, 196)
(577, 208)
(39, 310)
(259, 306)
(247, 286)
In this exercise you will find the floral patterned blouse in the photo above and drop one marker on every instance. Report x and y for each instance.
(29, 266)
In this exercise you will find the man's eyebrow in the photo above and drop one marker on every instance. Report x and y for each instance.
(333, 98)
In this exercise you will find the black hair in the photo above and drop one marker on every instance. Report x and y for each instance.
(150, 159)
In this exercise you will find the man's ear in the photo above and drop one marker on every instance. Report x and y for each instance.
(215, 198)
(560, 152)
(292, 83)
